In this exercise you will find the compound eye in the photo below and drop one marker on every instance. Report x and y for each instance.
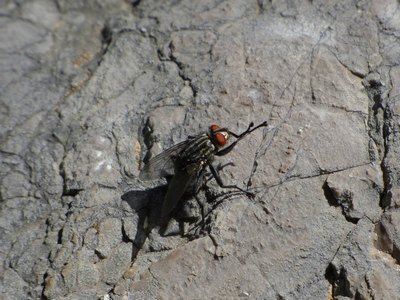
(214, 128)
(220, 138)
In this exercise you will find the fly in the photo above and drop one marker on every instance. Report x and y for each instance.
(188, 159)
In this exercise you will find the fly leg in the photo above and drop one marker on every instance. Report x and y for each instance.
(221, 184)
(201, 182)
(238, 137)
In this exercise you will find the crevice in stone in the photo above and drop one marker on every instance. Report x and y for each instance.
(43, 284)
(111, 291)
(379, 126)
(180, 66)
(386, 195)
(385, 243)
(135, 3)
(323, 172)
(59, 236)
(106, 36)
(358, 296)
(72, 192)
(374, 88)
(99, 255)
(346, 66)
(370, 289)
(148, 138)
(338, 280)
(343, 200)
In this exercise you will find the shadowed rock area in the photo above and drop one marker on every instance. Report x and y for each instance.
(92, 89)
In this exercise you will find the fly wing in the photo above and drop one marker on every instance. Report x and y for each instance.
(177, 187)
(162, 164)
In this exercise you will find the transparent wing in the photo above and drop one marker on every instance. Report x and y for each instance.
(177, 187)
(162, 164)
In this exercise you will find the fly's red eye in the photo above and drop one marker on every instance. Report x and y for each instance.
(214, 127)
(220, 138)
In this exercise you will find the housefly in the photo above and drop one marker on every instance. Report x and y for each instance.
(188, 159)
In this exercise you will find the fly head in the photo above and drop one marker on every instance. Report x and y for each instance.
(219, 136)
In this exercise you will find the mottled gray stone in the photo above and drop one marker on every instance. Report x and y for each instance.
(357, 191)
(130, 226)
(359, 269)
(13, 285)
(388, 235)
(109, 235)
(88, 90)
(115, 265)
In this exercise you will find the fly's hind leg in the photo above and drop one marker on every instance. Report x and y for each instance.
(232, 186)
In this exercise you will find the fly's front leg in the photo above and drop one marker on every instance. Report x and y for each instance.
(221, 184)
(238, 137)
(227, 149)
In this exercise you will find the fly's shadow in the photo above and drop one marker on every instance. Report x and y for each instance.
(145, 204)
(191, 218)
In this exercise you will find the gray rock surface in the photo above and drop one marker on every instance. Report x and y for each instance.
(91, 88)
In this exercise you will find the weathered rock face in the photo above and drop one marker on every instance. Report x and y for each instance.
(88, 89)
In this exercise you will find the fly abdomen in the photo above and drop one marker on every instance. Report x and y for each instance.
(199, 149)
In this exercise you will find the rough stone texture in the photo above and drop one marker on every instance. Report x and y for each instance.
(91, 88)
